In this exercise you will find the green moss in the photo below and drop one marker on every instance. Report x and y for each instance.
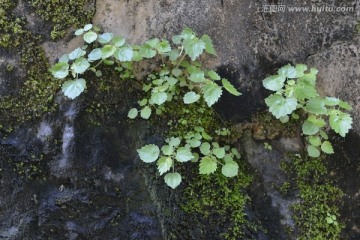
(318, 199)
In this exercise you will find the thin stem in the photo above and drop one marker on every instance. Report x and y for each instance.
(181, 59)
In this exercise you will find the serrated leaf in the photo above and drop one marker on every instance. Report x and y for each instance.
(194, 143)
(145, 113)
(309, 128)
(124, 54)
(305, 89)
(79, 32)
(316, 106)
(207, 165)
(300, 69)
(326, 147)
(95, 54)
(191, 97)
(107, 51)
(73, 88)
(341, 123)
(345, 105)
(149, 153)
(212, 92)
(105, 38)
(87, 27)
(209, 47)
(183, 154)
(229, 87)
(332, 101)
(219, 152)
(205, 148)
(313, 151)
(194, 48)
(146, 51)
(80, 65)
(133, 113)
(197, 77)
(118, 41)
(167, 150)
(164, 164)
(163, 47)
(280, 106)
(77, 53)
(315, 141)
(213, 75)
(230, 169)
(158, 97)
(287, 71)
(173, 179)
(318, 121)
(90, 37)
(274, 83)
(60, 70)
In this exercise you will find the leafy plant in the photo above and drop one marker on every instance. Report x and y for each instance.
(295, 90)
(178, 76)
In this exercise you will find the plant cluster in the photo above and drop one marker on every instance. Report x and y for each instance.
(295, 91)
(179, 77)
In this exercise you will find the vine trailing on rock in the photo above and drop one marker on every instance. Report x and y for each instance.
(295, 93)
(177, 78)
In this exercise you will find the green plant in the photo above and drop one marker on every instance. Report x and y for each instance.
(178, 77)
(295, 90)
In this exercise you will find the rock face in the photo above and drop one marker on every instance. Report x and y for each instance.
(63, 179)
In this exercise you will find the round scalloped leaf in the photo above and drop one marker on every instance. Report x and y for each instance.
(145, 113)
(341, 123)
(309, 128)
(80, 65)
(316, 106)
(146, 51)
(326, 147)
(287, 71)
(205, 148)
(229, 87)
(191, 97)
(105, 38)
(158, 97)
(184, 154)
(212, 92)
(149, 153)
(73, 88)
(133, 113)
(207, 165)
(118, 41)
(230, 169)
(197, 76)
(219, 152)
(163, 47)
(60, 70)
(95, 54)
(173, 179)
(313, 151)
(274, 83)
(332, 101)
(87, 27)
(164, 164)
(79, 32)
(300, 69)
(280, 106)
(167, 150)
(77, 53)
(174, 141)
(90, 37)
(315, 141)
(124, 54)
(107, 51)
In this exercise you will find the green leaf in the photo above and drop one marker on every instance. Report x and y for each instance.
(274, 83)
(73, 88)
(108, 51)
(205, 148)
(332, 101)
(284, 119)
(194, 48)
(167, 150)
(324, 135)
(146, 51)
(194, 143)
(300, 69)
(315, 140)
(152, 42)
(149, 153)
(345, 105)
(79, 32)
(317, 121)
(145, 112)
(287, 71)
(341, 123)
(305, 89)
(219, 152)
(191, 97)
(183, 154)
(207, 165)
(118, 41)
(158, 97)
(163, 47)
(64, 58)
(213, 75)
(311, 76)
(173, 179)
(197, 76)
(60, 70)
(230, 169)
(173, 55)
(212, 92)
(174, 141)
(77, 53)
(80, 65)
(309, 128)
(313, 151)
(209, 47)
(176, 72)
(280, 106)
(95, 54)
(326, 147)
(133, 113)
(316, 106)
(229, 87)
(87, 27)
(124, 54)
(90, 37)
(105, 38)
(164, 164)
